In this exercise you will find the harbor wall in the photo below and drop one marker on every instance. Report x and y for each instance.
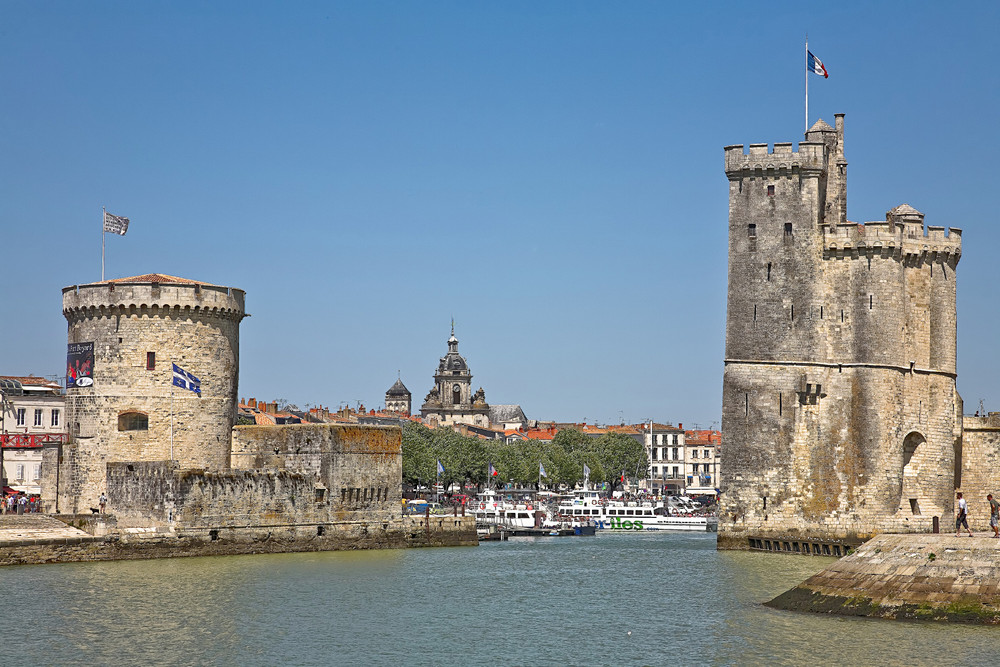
(152, 542)
(907, 577)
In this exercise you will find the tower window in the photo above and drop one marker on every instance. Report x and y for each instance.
(151, 361)
(769, 270)
(770, 191)
(871, 301)
(788, 229)
(752, 230)
(133, 421)
(755, 312)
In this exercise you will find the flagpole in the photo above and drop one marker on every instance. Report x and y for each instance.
(807, 82)
(171, 419)
(104, 215)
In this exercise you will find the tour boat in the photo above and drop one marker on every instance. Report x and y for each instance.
(489, 508)
(616, 516)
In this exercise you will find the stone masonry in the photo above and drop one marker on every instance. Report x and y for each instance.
(841, 417)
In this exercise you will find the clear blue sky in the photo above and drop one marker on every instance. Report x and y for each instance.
(548, 174)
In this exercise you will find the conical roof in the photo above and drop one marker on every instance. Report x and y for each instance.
(821, 126)
(398, 389)
(905, 209)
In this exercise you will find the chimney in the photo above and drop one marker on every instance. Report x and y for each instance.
(252, 403)
(272, 407)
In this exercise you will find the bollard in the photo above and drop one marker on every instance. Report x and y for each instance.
(937, 525)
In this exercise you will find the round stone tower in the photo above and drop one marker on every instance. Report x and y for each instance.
(132, 409)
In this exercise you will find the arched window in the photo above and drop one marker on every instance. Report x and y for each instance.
(133, 421)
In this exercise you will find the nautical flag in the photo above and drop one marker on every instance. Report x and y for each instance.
(185, 380)
(586, 471)
(493, 471)
(115, 224)
(440, 467)
(815, 65)
(541, 470)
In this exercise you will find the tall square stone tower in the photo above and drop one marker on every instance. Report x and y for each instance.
(840, 416)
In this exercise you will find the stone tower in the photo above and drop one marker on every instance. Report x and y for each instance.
(139, 328)
(398, 398)
(450, 400)
(840, 413)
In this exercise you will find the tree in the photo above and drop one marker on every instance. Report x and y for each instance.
(621, 454)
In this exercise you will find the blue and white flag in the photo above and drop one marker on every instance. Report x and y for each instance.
(586, 471)
(185, 380)
(440, 467)
(541, 470)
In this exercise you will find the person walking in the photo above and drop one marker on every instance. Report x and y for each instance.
(962, 519)
(994, 515)
(102, 502)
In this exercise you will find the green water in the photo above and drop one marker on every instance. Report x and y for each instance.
(546, 601)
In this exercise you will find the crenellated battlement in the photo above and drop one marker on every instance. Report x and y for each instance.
(153, 298)
(810, 156)
(901, 234)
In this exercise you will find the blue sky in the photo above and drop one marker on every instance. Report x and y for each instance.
(548, 174)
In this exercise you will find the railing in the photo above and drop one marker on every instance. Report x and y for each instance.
(31, 440)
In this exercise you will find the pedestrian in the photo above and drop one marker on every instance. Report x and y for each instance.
(994, 515)
(22, 504)
(102, 501)
(962, 518)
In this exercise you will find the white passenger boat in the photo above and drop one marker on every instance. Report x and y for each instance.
(621, 517)
(489, 508)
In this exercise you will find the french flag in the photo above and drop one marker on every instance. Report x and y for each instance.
(815, 65)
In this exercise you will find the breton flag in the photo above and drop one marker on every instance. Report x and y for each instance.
(440, 467)
(115, 224)
(493, 471)
(185, 380)
(815, 65)
(541, 470)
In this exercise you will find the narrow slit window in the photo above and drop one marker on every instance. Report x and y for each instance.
(788, 229)
(755, 312)
(871, 301)
(780, 407)
(821, 312)
(752, 230)
(769, 271)
(746, 404)
(841, 315)
(793, 312)
(151, 361)
(770, 191)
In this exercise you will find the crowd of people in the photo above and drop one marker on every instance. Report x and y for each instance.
(20, 503)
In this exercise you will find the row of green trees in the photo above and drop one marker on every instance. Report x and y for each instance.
(466, 460)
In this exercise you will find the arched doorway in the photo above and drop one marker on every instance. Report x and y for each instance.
(914, 455)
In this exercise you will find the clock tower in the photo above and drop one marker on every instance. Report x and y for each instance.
(451, 399)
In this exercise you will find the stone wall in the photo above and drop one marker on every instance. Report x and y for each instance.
(132, 544)
(980, 471)
(281, 475)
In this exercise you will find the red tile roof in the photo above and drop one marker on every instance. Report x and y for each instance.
(155, 278)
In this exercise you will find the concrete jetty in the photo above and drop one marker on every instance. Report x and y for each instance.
(910, 577)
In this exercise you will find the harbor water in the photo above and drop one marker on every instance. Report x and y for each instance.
(638, 599)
